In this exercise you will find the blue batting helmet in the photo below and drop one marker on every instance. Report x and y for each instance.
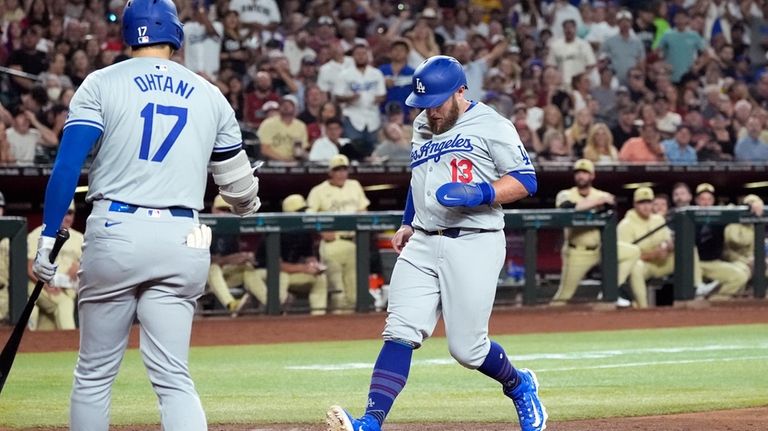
(434, 81)
(149, 22)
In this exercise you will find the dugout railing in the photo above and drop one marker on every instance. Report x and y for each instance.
(529, 221)
(684, 225)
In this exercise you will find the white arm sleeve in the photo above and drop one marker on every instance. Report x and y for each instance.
(237, 184)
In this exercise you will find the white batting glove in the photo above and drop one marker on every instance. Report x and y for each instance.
(43, 268)
(200, 237)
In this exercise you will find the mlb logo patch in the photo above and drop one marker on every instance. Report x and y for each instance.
(420, 88)
(143, 39)
(161, 67)
(154, 213)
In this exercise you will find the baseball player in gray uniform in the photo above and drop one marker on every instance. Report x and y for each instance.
(466, 161)
(155, 128)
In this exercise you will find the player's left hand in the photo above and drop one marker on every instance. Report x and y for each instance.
(465, 195)
(42, 267)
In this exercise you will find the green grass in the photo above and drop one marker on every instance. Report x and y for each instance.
(583, 375)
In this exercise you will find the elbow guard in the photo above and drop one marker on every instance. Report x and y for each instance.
(237, 184)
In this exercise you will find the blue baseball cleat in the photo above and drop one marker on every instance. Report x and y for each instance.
(338, 419)
(530, 411)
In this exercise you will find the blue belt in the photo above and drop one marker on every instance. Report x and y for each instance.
(122, 207)
(454, 232)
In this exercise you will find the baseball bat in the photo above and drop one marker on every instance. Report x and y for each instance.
(12, 345)
(651, 232)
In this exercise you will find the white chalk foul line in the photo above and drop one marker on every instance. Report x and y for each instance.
(599, 354)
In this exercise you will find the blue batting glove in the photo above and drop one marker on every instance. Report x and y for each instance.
(465, 195)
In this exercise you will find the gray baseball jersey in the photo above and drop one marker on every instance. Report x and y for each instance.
(482, 146)
(161, 132)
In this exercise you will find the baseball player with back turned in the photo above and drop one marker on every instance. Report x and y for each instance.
(466, 161)
(154, 127)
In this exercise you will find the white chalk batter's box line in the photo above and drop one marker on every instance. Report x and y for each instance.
(598, 354)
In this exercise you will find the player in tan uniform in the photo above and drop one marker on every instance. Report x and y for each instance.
(740, 238)
(337, 249)
(231, 267)
(55, 308)
(656, 251)
(581, 249)
(710, 240)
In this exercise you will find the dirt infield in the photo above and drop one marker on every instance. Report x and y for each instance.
(260, 329)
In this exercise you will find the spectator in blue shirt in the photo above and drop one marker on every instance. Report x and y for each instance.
(751, 148)
(678, 150)
(680, 46)
(398, 76)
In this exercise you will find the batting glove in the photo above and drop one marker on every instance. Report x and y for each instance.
(43, 268)
(200, 237)
(465, 195)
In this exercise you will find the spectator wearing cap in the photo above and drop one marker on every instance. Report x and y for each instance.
(644, 149)
(339, 194)
(678, 150)
(666, 120)
(752, 148)
(234, 51)
(624, 49)
(680, 46)
(27, 136)
(284, 137)
(398, 76)
(657, 259)
(28, 58)
(570, 54)
(297, 49)
(600, 148)
(330, 71)
(710, 239)
(325, 147)
(360, 90)
(260, 92)
(324, 34)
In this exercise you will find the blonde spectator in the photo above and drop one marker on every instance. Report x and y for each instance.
(576, 135)
(423, 44)
(600, 147)
(553, 120)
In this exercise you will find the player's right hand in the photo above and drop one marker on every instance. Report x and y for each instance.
(42, 267)
(401, 237)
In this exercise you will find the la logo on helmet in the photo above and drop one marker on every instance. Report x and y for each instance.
(420, 88)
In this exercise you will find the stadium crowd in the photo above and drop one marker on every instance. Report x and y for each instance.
(631, 81)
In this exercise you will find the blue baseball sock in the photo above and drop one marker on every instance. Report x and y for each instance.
(498, 367)
(389, 376)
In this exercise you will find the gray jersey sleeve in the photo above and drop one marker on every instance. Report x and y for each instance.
(228, 137)
(85, 107)
(508, 152)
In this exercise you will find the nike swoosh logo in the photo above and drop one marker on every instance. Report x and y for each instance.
(537, 418)
(111, 223)
(448, 198)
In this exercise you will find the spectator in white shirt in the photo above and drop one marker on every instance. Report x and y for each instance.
(296, 49)
(202, 43)
(348, 30)
(25, 135)
(331, 70)
(327, 146)
(360, 90)
(569, 54)
(257, 14)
